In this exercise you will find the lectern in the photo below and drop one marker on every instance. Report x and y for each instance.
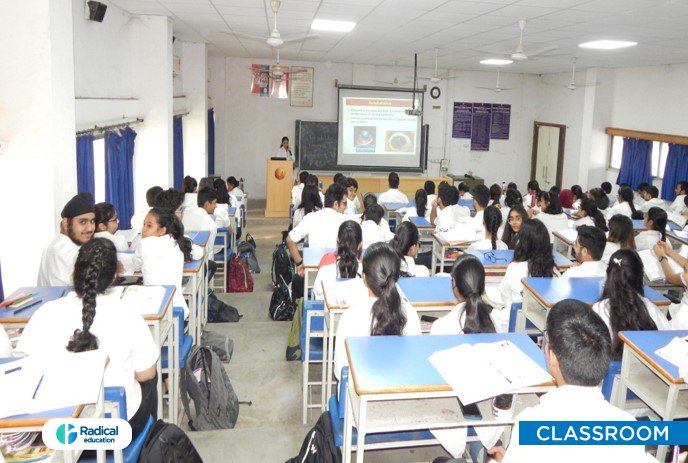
(278, 184)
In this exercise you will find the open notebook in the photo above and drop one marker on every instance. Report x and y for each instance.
(146, 299)
(653, 269)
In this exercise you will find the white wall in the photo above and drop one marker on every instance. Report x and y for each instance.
(195, 124)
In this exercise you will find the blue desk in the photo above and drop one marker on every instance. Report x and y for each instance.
(199, 237)
(428, 293)
(654, 380)
(639, 225)
(421, 222)
(496, 262)
(311, 259)
(46, 293)
(467, 203)
(678, 236)
(394, 206)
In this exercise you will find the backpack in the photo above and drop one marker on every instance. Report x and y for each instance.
(281, 306)
(282, 266)
(166, 443)
(294, 337)
(247, 252)
(239, 279)
(219, 343)
(205, 380)
(219, 311)
(318, 446)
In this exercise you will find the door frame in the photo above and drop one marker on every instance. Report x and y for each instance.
(560, 155)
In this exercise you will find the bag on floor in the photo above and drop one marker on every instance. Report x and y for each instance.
(281, 306)
(219, 343)
(166, 443)
(294, 338)
(282, 266)
(246, 251)
(251, 241)
(239, 279)
(219, 312)
(204, 380)
(318, 446)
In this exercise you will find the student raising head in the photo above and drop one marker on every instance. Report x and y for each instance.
(620, 236)
(383, 313)
(624, 204)
(189, 187)
(347, 263)
(589, 247)
(590, 215)
(492, 221)
(406, 242)
(107, 223)
(445, 211)
(421, 208)
(623, 305)
(137, 218)
(651, 196)
(655, 221)
(353, 205)
(471, 315)
(512, 198)
(97, 318)
(515, 219)
(373, 231)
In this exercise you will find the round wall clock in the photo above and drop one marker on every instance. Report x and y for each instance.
(435, 93)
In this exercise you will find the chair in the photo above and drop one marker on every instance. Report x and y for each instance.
(221, 258)
(185, 341)
(513, 315)
(610, 384)
(312, 338)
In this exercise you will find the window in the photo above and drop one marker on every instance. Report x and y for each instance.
(99, 168)
(659, 155)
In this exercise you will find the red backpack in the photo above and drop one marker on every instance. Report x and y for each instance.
(239, 279)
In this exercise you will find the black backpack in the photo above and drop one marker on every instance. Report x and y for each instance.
(246, 251)
(318, 446)
(281, 306)
(166, 443)
(282, 266)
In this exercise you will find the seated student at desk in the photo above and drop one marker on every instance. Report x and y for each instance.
(495, 195)
(517, 216)
(620, 236)
(406, 242)
(679, 205)
(623, 305)
(464, 191)
(189, 187)
(107, 223)
(347, 262)
(590, 215)
(651, 196)
(624, 205)
(602, 201)
(607, 188)
(566, 198)
(655, 220)
(492, 221)
(224, 202)
(679, 312)
(445, 210)
(297, 189)
(578, 351)
(373, 231)
(578, 196)
(383, 313)
(588, 247)
(233, 186)
(138, 218)
(372, 199)
(311, 200)
(429, 187)
(481, 198)
(511, 198)
(531, 199)
(551, 214)
(200, 216)
(353, 205)
(393, 195)
(97, 318)
(76, 229)
(421, 208)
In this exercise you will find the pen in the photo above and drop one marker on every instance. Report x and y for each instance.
(22, 299)
(16, 311)
(12, 370)
(64, 292)
(40, 381)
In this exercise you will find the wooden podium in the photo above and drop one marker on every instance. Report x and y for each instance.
(278, 185)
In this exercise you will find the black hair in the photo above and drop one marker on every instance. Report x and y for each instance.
(303, 176)
(589, 206)
(481, 195)
(624, 289)
(593, 239)
(578, 192)
(600, 197)
(174, 227)
(206, 182)
(659, 218)
(151, 194)
(104, 212)
(429, 187)
(350, 182)
(233, 181)
(513, 198)
(495, 193)
(621, 231)
(468, 278)
(381, 265)
(653, 191)
(94, 271)
(606, 187)
(169, 199)
(448, 195)
(336, 177)
(334, 193)
(626, 194)
(509, 236)
(580, 340)
(421, 202)
(374, 212)
(189, 184)
(642, 186)
(534, 185)
(312, 180)
(393, 180)
(534, 247)
(406, 235)
(220, 188)
(492, 219)
(349, 238)
(624, 184)
(310, 198)
(512, 186)
(283, 138)
(369, 199)
(554, 204)
(683, 186)
(463, 188)
(555, 189)
(205, 195)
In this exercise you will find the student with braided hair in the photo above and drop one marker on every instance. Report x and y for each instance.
(383, 313)
(492, 221)
(406, 242)
(347, 263)
(95, 317)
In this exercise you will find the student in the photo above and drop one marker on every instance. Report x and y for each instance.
(353, 205)
(551, 213)
(589, 247)
(512, 198)
(481, 198)
(620, 236)
(97, 318)
(639, 199)
(464, 191)
(495, 195)
(578, 196)
(348, 261)
(137, 219)
(530, 200)
(445, 212)
(310, 202)
(393, 195)
(224, 202)
(601, 199)
(429, 187)
(406, 243)
(297, 189)
(554, 189)
(107, 223)
(623, 305)
(189, 188)
(320, 227)
(373, 232)
(200, 217)
(566, 198)
(624, 204)
(679, 312)
(517, 216)
(607, 188)
(383, 313)
(170, 199)
(650, 195)
(233, 187)
(471, 315)
(655, 220)
(679, 205)
(369, 199)
(578, 351)
(492, 221)
(337, 177)
(76, 228)
(589, 215)
(421, 208)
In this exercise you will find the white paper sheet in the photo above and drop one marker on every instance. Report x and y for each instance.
(146, 299)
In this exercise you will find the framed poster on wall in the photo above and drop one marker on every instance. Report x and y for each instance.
(301, 87)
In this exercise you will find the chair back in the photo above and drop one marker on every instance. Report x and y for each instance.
(117, 395)
(343, 382)
(608, 381)
(513, 313)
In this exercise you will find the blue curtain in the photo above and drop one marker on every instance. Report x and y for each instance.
(211, 141)
(178, 152)
(676, 170)
(636, 162)
(85, 177)
(119, 174)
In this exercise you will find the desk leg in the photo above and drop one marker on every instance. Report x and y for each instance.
(326, 359)
(330, 356)
(433, 260)
(193, 308)
(348, 424)
(361, 427)
(173, 376)
(158, 366)
(619, 398)
(669, 409)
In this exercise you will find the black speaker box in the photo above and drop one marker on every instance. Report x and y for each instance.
(96, 11)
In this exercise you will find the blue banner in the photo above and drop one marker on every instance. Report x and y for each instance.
(603, 432)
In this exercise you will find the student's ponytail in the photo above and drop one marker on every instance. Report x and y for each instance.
(349, 238)
(421, 202)
(94, 271)
(468, 279)
(381, 269)
(168, 220)
(626, 194)
(374, 212)
(492, 220)
(590, 207)
(406, 236)
(659, 220)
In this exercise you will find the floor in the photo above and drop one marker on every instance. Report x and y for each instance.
(270, 430)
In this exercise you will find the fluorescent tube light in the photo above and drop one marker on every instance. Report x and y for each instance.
(329, 25)
(496, 62)
(607, 44)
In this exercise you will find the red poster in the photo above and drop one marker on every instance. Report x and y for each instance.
(260, 79)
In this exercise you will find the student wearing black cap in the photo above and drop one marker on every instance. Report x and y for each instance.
(76, 228)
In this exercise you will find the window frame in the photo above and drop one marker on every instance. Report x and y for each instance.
(660, 141)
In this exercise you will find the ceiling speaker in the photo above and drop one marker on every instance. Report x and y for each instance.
(96, 11)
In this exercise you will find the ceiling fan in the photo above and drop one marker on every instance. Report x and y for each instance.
(497, 88)
(572, 85)
(396, 82)
(519, 54)
(436, 78)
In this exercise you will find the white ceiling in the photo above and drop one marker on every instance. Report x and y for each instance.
(392, 30)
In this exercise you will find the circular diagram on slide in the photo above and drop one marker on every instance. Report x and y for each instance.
(399, 142)
(364, 138)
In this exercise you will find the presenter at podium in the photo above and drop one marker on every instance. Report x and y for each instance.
(284, 150)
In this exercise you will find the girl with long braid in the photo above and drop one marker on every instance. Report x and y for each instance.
(95, 317)
(347, 263)
(406, 243)
(492, 221)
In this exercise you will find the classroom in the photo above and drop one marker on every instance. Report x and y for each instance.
(321, 177)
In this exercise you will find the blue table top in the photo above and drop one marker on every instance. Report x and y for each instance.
(46, 294)
(231, 211)
(199, 237)
(647, 342)
(312, 256)
(467, 203)
(395, 206)
(639, 225)
(193, 266)
(549, 291)
(503, 257)
(421, 222)
(428, 290)
(381, 364)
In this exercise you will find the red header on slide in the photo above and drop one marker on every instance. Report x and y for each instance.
(379, 102)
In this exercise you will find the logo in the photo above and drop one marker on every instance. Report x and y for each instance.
(66, 434)
(280, 173)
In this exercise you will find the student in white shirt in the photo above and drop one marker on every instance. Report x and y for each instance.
(492, 221)
(107, 223)
(624, 204)
(373, 232)
(310, 201)
(369, 199)
(578, 196)
(421, 208)
(383, 313)
(578, 351)
(481, 198)
(138, 217)
(200, 217)
(189, 188)
(590, 215)
(464, 191)
(512, 198)
(655, 221)
(620, 236)
(607, 188)
(602, 201)
(393, 195)
(97, 318)
(406, 242)
(224, 202)
(471, 315)
(531, 199)
(588, 248)
(679, 205)
(76, 228)
(551, 213)
(233, 187)
(321, 226)
(445, 212)
(638, 193)
(429, 187)
(651, 197)
(516, 217)
(353, 205)
(297, 189)
(679, 312)
(495, 195)
(348, 262)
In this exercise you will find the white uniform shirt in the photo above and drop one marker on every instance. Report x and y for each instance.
(296, 192)
(57, 262)
(321, 228)
(572, 403)
(646, 239)
(582, 221)
(374, 233)
(329, 274)
(198, 219)
(511, 288)
(576, 204)
(622, 208)
(591, 268)
(529, 201)
(121, 331)
(282, 153)
(453, 322)
(356, 321)
(476, 222)
(190, 200)
(653, 202)
(602, 309)
(431, 198)
(409, 265)
(353, 206)
(447, 217)
(236, 191)
(413, 212)
(299, 214)
(393, 195)
(678, 205)
(486, 245)
(609, 249)
(119, 241)
(553, 222)
(221, 215)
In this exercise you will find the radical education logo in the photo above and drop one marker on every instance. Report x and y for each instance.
(65, 434)
(87, 434)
